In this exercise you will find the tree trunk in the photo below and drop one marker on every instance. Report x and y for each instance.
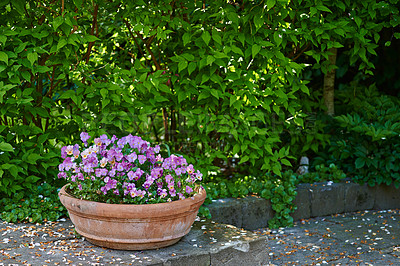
(329, 84)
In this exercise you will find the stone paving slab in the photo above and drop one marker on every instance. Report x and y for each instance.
(363, 238)
(208, 243)
(360, 238)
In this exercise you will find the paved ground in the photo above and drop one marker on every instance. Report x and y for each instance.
(363, 238)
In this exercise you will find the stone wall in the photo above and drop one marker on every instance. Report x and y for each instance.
(313, 200)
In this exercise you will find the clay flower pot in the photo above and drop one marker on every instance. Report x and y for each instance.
(132, 227)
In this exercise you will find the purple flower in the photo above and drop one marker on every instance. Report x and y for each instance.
(121, 142)
(112, 172)
(139, 172)
(172, 192)
(181, 197)
(104, 139)
(120, 167)
(134, 193)
(163, 193)
(110, 183)
(142, 159)
(98, 141)
(189, 190)
(131, 175)
(169, 178)
(62, 175)
(97, 171)
(104, 190)
(157, 149)
(75, 151)
(178, 171)
(147, 184)
(80, 176)
(119, 156)
(69, 149)
(85, 137)
(156, 172)
(199, 175)
(131, 157)
(87, 168)
(159, 158)
(64, 152)
(190, 169)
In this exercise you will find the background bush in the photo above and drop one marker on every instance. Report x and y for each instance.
(237, 86)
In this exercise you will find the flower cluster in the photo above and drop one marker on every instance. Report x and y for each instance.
(125, 170)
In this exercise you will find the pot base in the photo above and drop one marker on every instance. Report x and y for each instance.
(132, 246)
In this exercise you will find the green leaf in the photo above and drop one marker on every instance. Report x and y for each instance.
(255, 49)
(67, 94)
(358, 21)
(214, 93)
(192, 66)
(57, 22)
(182, 65)
(186, 38)
(237, 50)
(19, 6)
(32, 158)
(78, 3)
(20, 47)
(188, 56)
(210, 59)
(323, 8)
(270, 4)
(216, 37)
(244, 159)
(3, 39)
(360, 162)
(104, 93)
(277, 38)
(6, 147)
(91, 38)
(61, 43)
(206, 37)
(32, 57)
(4, 57)
(258, 21)
(277, 170)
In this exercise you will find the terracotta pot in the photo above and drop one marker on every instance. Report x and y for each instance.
(129, 226)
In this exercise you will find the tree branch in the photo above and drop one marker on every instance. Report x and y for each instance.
(133, 37)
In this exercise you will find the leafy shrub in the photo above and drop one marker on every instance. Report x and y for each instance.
(366, 143)
(323, 173)
(40, 204)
